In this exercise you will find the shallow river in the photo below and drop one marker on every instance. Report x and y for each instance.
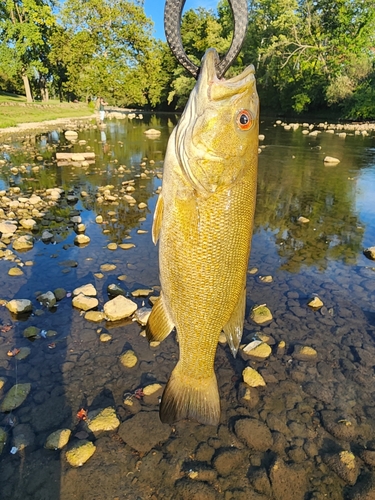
(309, 433)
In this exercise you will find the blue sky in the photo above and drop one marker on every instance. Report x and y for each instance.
(155, 10)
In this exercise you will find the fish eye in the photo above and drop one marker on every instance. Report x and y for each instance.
(244, 119)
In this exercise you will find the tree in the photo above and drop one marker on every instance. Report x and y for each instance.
(106, 47)
(25, 28)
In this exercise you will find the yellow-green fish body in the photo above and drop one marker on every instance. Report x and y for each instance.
(203, 219)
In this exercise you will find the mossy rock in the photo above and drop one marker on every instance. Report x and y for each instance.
(58, 439)
(261, 314)
(15, 397)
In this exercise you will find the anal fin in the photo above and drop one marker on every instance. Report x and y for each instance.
(159, 324)
(234, 328)
(186, 397)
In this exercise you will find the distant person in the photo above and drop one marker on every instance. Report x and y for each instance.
(102, 103)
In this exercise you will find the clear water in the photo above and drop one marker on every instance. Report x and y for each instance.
(307, 406)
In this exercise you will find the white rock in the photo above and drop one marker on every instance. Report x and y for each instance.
(119, 308)
(331, 160)
(85, 303)
(7, 228)
(19, 306)
(25, 242)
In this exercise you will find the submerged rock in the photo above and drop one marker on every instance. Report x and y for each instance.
(304, 353)
(25, 242)
(19, 306)
(143, 431)
(58, 439)
(31, 331)
(255, 434)
(15, 397)
(95, 316)
(344, 464)
(85, 303)
(128, 359)
(252, 378)
(48, 299)
(103, 420)
(82, 239)
(80, 453)
(261, 314)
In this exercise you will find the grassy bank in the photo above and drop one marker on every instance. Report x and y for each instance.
(14, 110)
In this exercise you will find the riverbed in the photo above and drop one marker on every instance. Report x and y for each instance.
(307, 433)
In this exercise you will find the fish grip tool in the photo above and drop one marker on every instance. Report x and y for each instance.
(172, 27)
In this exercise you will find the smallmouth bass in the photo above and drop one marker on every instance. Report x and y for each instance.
(204, 221)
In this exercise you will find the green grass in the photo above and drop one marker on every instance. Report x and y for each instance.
(14, 110)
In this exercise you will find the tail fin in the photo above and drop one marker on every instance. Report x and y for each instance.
(186, 397)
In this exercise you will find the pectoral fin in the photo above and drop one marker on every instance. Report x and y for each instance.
(159, 324)
(158, 217)
(233, 329)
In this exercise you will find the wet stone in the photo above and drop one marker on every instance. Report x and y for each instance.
(95, 316)
(19, 306)
(128, 359)
(254, 433)
(80, 453)
(304, 353)
(119, 308)
(23, 436)
(132, 431)
(340, 427)
(58, 439)
(3, 439)
(102, 420)
(261, 315)
(288, 481)
(15, 397)
(252, 378)
(227, 461)
(344, 464)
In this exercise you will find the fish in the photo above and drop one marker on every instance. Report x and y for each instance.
(203, 221)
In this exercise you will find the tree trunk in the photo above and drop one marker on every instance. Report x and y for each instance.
(26, 83)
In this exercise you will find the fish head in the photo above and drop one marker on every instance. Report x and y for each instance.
(217, 136)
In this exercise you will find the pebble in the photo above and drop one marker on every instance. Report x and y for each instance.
(107, 267)
(331, 160)
(262, 351)
(31, 331)
(23, 354)
(315, 303)
(303, 220)
(119, 308)
(95, 316)
(128, 359)
(19, 306)
(58, 439)
(126, 246)
(102, 420)
(112, 246)
(344, 464)
(89, 290)
(84, 303)
(254, 433)
(261, 314)
(80, 453)
(252, 378)
(369, 253)
(304, 353)
(15, 271)
(105, 337)
(82, 239)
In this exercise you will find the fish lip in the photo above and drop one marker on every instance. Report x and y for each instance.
(209, 64)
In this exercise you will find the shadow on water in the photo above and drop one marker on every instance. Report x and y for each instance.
(305, 410)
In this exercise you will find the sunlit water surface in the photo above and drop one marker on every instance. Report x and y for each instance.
(309, 411)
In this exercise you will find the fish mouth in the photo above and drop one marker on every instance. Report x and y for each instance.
(221, 88)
